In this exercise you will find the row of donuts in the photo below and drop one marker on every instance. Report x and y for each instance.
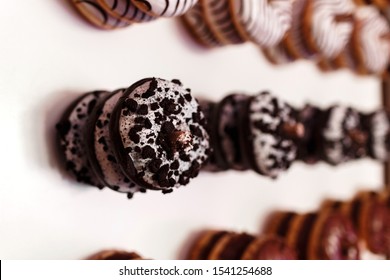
(262, 133)
(221, 245)
(155, 135)
(334, 33)
(112, 14)
(339, 230)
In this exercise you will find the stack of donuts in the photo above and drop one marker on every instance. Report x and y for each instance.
(333, 33)
(151, 135)
(339, 230)
(112, 14)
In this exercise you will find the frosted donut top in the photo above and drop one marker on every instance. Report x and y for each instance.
(329, 35)
(374, 47)
(273, 152)
(264, 21)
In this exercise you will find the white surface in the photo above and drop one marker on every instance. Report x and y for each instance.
(48, 55)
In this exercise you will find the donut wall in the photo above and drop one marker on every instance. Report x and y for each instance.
(50, 55)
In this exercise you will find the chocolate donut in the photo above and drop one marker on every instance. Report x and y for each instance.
(95, 13)
(332, 237)
(378, 126)
(226, 132)
(269, 248)
(308, 148)
(167, 8)
(208, 108)
(204, 244)
(159, 134)
(278, 223)
(342, 136)
(374, 224)
(231, 246)
(71, 131)
(323, 235)
(100, 148)
(268, 136)
(115, 255)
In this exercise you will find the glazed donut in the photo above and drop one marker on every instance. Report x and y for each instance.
(167, 8)
(328, 26)
(371, 41)
(261, 21)
(125, 10)
(267, 247)
(333, 237)
(114, 255)
(374, 222)
(94, 12)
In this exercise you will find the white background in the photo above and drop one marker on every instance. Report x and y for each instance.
(49, 55)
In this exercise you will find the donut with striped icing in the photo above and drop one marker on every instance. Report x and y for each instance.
(293, 40)
(261, 21)
(371, 41)
(96, 14)
(278, 55)
(219, 18)
(328, 25)
(195, 23)
(165, 8)
(125, 10)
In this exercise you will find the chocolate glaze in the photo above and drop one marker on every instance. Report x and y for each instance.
(309, 116)
(338, 239)
(236, 247)
(209, 110)
(275, 249)
(285, 223)
(226, 132)
(304, 235)
(115, 255)
(206, 250)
